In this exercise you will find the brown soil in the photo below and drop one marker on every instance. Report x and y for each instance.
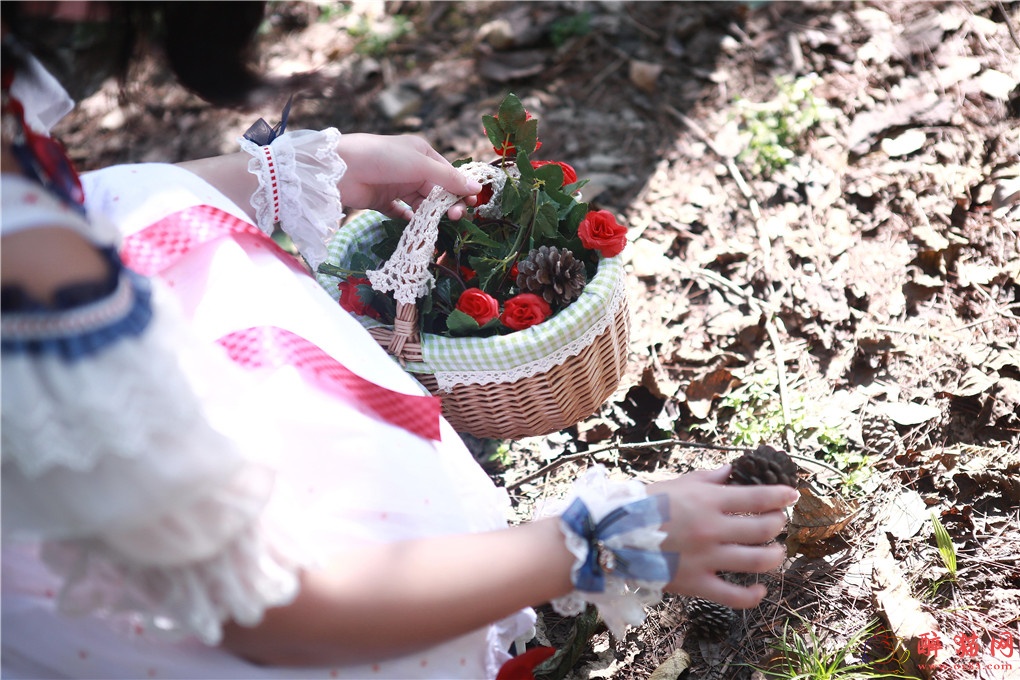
(871, 282)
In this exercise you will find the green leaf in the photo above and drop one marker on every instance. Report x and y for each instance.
(546, 221)
(459, 323)
(361, 262)
(526, 137)
(477, 236)
(511, 113)
(945, 545)
(493, 130)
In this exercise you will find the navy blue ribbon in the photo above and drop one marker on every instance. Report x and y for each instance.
(630, 563)
(262, 133)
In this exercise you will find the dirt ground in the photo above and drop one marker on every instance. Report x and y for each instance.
(824, 211)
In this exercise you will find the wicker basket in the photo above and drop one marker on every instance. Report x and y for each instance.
(578, 368)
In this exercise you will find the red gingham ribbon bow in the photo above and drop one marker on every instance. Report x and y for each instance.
(157, 246)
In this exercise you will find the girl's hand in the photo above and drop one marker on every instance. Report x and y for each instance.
(383, 170)
(717, 527)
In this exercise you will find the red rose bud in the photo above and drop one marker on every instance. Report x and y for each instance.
(523, 667)
(600, 231)
(524, 311)
(467, 273)
(350, 299)
(514, 272)
(569, 174)
(479, 305)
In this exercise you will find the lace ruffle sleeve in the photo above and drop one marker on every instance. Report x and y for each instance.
(120, 458)
(298, 176)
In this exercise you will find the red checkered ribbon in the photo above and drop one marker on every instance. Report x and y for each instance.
(272, 346)
(162, 243)
(156, 247)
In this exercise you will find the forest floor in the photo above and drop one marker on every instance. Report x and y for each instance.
(823, 203)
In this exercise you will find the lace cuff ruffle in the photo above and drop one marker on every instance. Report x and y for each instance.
(298, 175)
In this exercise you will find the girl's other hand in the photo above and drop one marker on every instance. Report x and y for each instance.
(717, 527)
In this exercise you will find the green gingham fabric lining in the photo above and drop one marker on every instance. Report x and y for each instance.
(486, 360)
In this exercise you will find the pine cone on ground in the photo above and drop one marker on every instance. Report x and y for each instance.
(708, 620)
(764, 465)
(554, 274)
(880, 436)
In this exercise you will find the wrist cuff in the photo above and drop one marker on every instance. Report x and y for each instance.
(298, 174)
(612, 529)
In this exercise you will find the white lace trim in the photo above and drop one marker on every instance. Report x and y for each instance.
(307, 171)
(447, 380)
(406, 273)
(622, 603)
(239, 582)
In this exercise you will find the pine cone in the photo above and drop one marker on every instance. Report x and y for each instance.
(880, 436)
(553, 274)
(764, 465)
(708, 620)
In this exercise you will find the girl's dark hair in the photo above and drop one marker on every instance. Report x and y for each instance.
(209, 46)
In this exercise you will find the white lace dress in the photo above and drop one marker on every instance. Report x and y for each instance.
(153, 488)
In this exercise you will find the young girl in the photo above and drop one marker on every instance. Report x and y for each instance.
(211, 470)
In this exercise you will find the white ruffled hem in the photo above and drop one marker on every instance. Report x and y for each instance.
(308, 170)
(238, 583)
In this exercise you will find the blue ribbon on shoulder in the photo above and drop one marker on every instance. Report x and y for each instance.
(262, 133)
(630, 563)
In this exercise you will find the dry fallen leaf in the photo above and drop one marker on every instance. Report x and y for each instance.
(816, 518)
(907, 621)
(907, 143)
(700, 393)
(671, 668)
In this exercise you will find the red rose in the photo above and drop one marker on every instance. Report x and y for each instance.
(523, 667)
(600, 231)
(483, 196)
(479, 305)
(351, 300)
(509, 149)
(569, 174)
(525, 310)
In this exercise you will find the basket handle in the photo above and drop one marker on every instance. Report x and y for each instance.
(406, 273)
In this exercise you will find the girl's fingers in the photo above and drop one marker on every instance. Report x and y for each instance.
(733, 595)
(756, 499)
(748, 559)
(753, 529)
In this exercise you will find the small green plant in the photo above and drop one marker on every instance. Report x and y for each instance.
(375, 43)
(805, 656)
(757, 416)
(565, 28)
(947, 551)
(775, 130)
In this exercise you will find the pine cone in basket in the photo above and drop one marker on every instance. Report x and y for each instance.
(708, 620)
(764, 465)
(880, 436)
(554, 274)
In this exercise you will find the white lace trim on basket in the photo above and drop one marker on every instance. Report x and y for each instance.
(307, 169)
(406, 273)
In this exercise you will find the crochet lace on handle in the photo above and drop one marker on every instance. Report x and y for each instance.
(406, 273)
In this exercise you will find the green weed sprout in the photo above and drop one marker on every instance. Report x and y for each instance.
(804, 657)
(775, 129)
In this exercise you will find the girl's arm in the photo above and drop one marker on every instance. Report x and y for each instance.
(393, 599)
(381, 170)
